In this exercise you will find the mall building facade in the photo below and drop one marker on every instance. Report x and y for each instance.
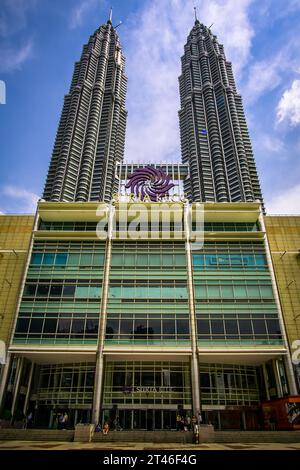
(147, 323)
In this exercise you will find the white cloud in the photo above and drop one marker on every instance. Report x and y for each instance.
(264, 76)
(20, 200)
(286, 202)
(13, 15)
(13, 58)
(154, 44)
(270, 143)
(79, 12)
(289, 105)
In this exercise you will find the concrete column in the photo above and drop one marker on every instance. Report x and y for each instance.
(99, 371)
(3, 378)
(98, 384)
(195, 375)
(265, 374)
(290, 375)
(277, 378)
(28, 388)
(287, 358)
(17, 384)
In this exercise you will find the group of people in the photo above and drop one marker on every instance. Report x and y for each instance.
(106, 427)
(187, 423)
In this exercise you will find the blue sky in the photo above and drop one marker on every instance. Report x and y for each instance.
(41, 39)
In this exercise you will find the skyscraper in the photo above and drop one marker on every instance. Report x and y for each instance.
(214, 136)
(153, 316)
(91, 133)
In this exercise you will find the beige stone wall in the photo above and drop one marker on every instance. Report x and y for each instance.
(15, 234)
(284, 239)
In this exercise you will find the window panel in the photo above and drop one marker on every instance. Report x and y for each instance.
(49, 258)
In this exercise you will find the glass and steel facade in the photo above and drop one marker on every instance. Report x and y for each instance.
(122, 327)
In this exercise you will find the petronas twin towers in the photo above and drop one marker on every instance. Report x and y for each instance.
(90, 141)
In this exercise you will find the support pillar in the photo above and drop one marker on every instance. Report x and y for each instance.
(17, 385)
(28, 389)
(195, 374)
(98, 384)
(277, 378)
(266, 380)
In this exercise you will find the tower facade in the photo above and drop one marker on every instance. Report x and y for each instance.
(91, 133)
(214, 135)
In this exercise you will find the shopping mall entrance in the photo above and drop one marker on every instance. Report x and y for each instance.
(148, 420)
(146, 395)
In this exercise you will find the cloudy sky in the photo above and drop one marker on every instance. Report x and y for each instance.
(41, 39)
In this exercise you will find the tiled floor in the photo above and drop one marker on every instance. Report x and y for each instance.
(27, 445)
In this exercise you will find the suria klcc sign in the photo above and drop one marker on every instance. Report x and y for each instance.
(149, 184)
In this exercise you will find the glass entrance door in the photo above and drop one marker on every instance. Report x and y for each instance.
(147, 420)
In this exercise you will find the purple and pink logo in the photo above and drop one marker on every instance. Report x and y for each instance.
(149, 182)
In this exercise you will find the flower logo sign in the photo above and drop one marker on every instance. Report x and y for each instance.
(149, 183)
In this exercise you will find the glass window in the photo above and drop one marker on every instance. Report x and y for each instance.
(56, 290)
(36, 258)
(69, 291)
(95, 292)
(49, 258)
(86, 259)
(126, 327)
(36, 325)
(78, 326)
(217, 327)
(240, 292)
(29, 289)
(245, 327)
(167, 259)
(204, 380)
(253, 292)
(231, 327)
(50, 325)
(259, 327)
(203, 327)
(61, 258)
(112, 327)
(198, 260)
(200, 292)
(261, 260)
(98, 260)
(42, 290)
(213, 292)
(129, 259)
(273, 327)
(154, 327)
(91, 326)
(169, 327)
(82, 292)
(227, 292)
(180, 260)
(64, 326)
(266, 292)
(22, 325)
(73, 259)
(182, 327)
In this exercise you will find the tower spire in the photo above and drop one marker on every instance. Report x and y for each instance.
(110, 15)
(195, 10)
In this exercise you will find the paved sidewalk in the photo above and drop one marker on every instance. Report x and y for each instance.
(148, 446)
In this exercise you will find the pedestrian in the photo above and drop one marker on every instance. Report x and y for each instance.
(106, 428)
(65, 420)
(199, 419)
(178, 421)
(29, 420)
(196, 434)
